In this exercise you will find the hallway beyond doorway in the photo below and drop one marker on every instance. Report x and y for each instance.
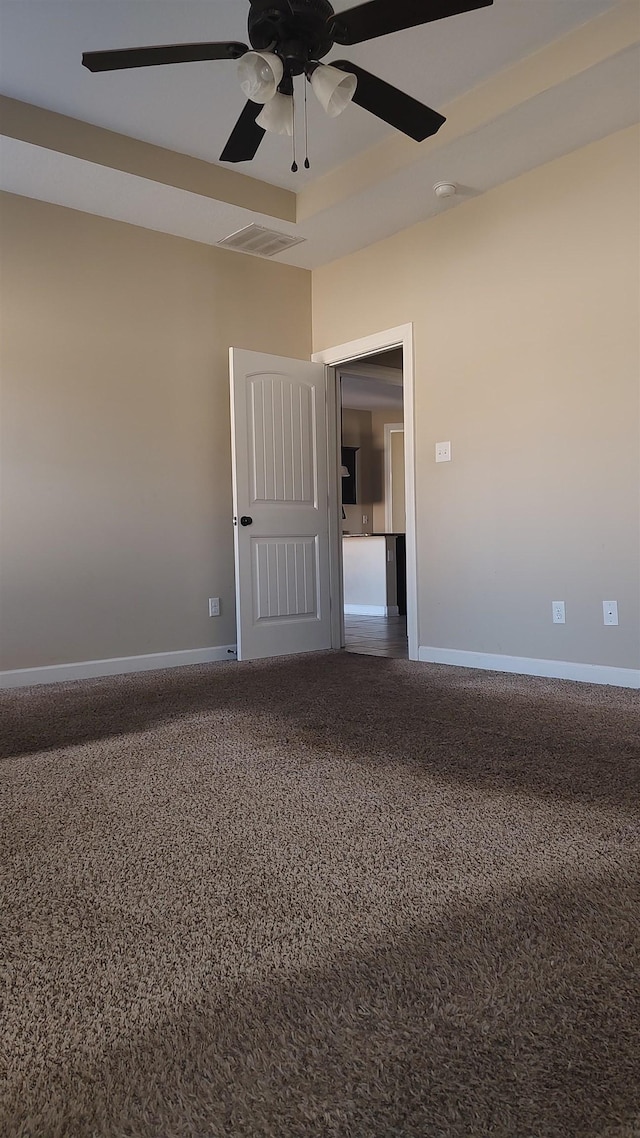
(376, 636)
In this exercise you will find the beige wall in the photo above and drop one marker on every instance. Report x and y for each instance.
(115, 477)
(116, 483)
(525, 304)
(365, 430)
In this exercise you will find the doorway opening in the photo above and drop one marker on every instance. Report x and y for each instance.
(373, 526)
(337, 358)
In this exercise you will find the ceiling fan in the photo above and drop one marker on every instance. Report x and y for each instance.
(289, 38)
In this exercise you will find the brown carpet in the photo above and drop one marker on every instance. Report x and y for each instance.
(324, 897)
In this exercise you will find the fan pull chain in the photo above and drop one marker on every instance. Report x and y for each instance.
(294, 164)
(306, 130)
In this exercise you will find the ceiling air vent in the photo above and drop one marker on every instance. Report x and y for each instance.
(259, 241)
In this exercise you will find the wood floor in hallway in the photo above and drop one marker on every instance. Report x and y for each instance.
(377, 635)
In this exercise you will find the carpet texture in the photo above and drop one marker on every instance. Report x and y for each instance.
(330, 896)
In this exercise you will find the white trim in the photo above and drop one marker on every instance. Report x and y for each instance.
(119, 665)
(371, 610)
(399, 337)
(523, 665)
(389, 430)
(334, 463)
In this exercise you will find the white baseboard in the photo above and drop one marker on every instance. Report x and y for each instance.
(89, 669)
(371, 610)
(523, 665)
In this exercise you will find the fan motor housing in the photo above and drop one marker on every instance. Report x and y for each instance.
(297, 30)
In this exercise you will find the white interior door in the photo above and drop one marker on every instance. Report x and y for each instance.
(280, 504)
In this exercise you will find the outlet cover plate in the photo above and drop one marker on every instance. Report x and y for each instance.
(557, 610)
(443, 452)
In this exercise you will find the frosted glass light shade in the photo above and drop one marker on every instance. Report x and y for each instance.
(260, 73)
(333, 88)
(277, 115)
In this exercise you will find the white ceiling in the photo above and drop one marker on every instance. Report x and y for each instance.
(191, 108)
(362, 394)
(374, 384)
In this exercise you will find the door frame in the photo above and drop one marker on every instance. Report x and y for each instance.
(332, 358)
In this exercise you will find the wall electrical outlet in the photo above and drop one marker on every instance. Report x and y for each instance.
(214, 606)
(557, 609)
(443, 452)
(365, 519)
(610, 611)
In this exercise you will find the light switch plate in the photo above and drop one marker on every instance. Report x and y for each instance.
(443, 452)
(610, 612)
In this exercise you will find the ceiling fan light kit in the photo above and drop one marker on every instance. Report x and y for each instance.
(289, 38)
(276, 116)
(260, 74)
(333, 89)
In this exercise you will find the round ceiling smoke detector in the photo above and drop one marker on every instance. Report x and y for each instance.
(445, 189)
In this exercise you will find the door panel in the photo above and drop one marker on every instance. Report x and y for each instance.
(278, 412)
(282, 441)
(285, 577)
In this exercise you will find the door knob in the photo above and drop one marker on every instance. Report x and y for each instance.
(245, 520)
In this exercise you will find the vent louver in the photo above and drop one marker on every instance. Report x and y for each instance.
(259, 241)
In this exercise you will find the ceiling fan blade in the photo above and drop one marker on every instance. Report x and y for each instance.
(380, 17)
(393, 106)
(164, 53)
(245, 137)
